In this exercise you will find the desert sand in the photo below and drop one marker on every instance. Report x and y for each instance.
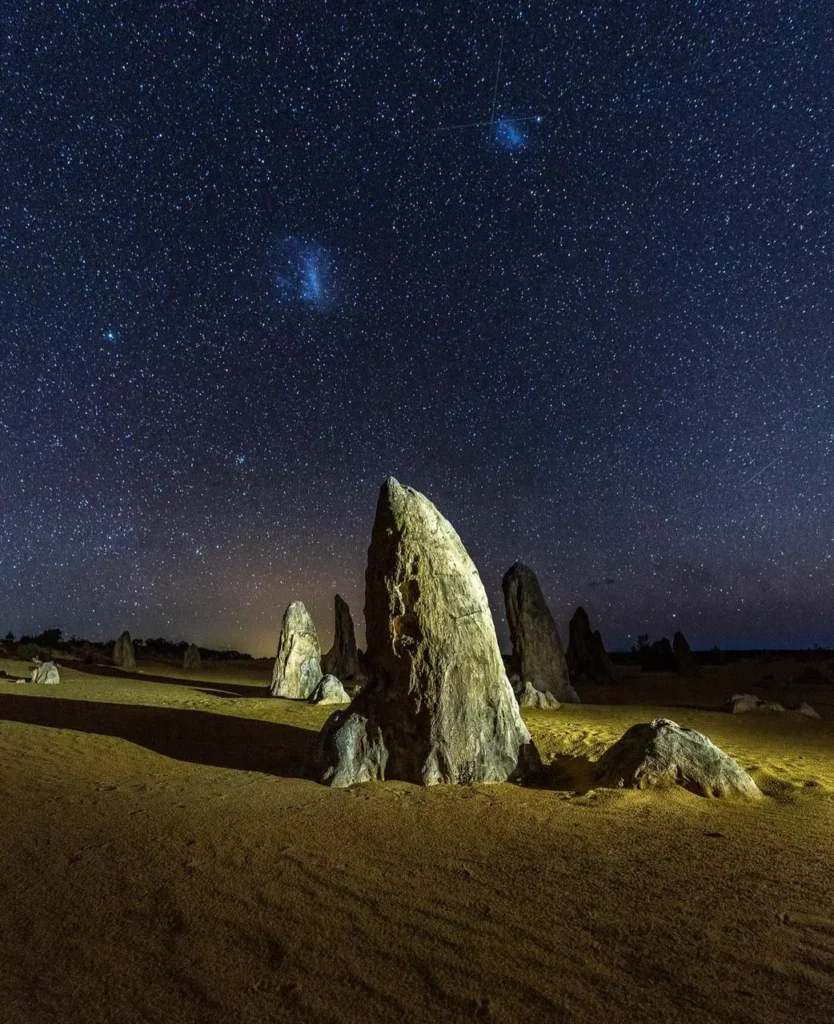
(164, 859)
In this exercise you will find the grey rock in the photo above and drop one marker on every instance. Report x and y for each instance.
(437, 707)
(537, 648)
(329, 690)
(663, 754)
(46, 674)
(123, 654)
(530, 697)
(342, 660)
(806, 709)
(586, 657)
(741, 703)
(686, 659)
(297, 668)
(350, 750)
(191, 658)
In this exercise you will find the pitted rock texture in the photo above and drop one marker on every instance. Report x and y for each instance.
(663, 754)
(297, 668)
(437, 707)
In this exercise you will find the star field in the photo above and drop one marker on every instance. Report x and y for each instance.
(244, 277)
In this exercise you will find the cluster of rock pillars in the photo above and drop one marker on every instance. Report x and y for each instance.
(431, 699)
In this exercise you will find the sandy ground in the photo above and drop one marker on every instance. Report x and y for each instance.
(164, 860)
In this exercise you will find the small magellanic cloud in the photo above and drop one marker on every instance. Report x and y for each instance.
(510, 134)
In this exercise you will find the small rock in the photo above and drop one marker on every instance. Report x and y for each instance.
(806, 709)
(740, 703)
(47, 674)
(663, 754)
(329, 691)
(530, 697)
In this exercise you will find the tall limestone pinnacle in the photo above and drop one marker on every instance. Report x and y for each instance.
(297, 668)
(536, 644)
(342, 660)
(438, 707)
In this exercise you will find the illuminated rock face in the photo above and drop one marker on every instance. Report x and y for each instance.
(663, 754)
(537, 648)
(297, 668)
(123, 653)
(46, 674)
(329, 690)
(191, 658)
(586, 655)
(342, 660)
(438, 707)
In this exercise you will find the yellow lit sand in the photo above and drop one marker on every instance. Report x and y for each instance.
(164, 861)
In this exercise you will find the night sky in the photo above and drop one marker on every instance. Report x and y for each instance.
(566, 268)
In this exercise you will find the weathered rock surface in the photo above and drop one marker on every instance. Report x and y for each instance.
(659, 657)
(586, 657)
(46, 674)
(740, 703)
(342, 660)
(530, 697)
(123, 654)
(663, 754)
(687, 664)
(537, 648)
(329, 690)
(437, 707)
(191, 658)
(297, 668)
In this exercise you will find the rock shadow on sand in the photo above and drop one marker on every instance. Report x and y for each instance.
(197, 737)
(209, 687)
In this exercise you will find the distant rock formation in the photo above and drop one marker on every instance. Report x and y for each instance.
(659, 657)
(537, 649)
(717, 656)
(438, 707)
(687, 665)
(123, 654)
(329, 690)
(297, 668)
(586, 657)
(46, 674)
(342, 660)
(530, 697)
(663, 754)
(191, 658)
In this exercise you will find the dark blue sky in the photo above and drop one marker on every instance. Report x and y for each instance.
(249, 267)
